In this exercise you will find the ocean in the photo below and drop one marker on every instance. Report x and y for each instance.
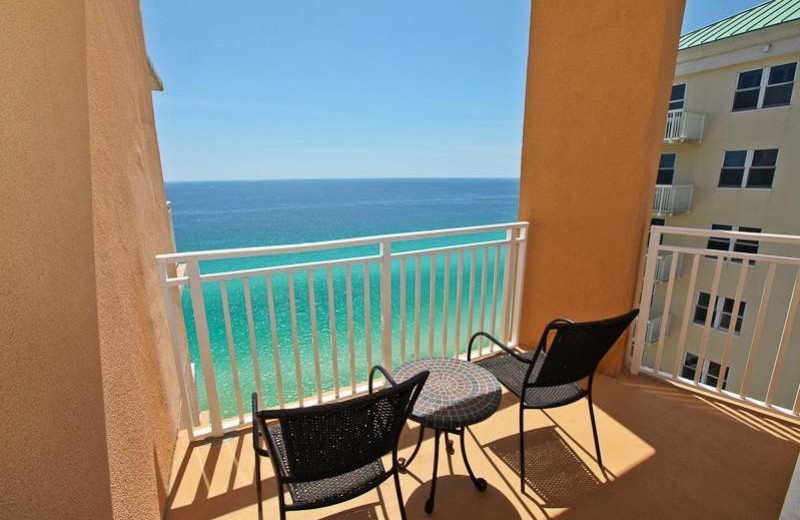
(219, 215)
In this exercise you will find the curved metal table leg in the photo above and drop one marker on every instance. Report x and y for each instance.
(403, 463)
(480, 483)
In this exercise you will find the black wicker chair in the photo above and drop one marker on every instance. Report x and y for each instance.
(331, 453)
(549, 377)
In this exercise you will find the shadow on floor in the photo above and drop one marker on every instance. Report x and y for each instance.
(451, 491)
(552, 469)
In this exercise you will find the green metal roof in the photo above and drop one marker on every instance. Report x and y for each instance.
(759, 17)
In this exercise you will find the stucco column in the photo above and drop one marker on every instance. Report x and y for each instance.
(599, 76)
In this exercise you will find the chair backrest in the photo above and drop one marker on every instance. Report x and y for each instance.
(578, 348)
(332, 439)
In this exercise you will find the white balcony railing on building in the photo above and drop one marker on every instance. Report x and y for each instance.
(672, 198)
(749, 331)
(297, 323)
(683, 126)
(664, 267)
(654, 328)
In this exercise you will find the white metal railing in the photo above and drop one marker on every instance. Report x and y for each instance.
(684, 126)
(672, 198)
(664, 267)
(478, 287)
(744, 321)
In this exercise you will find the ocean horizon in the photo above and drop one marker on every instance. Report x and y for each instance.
(231, 214)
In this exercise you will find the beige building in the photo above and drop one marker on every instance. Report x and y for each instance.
(731, 161)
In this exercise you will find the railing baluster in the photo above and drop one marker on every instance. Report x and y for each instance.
(273, 327)
(386, 304)
(251, 329)
(402, 310)
(350, 331)
(180, 355)
(231, 351)
(757, 329)
(431, 304)
(312, 314)
(495, 283)
(332, 321)
(737, 302)
(446, 302)
(665, 312)
(505, 307)
(295, 342)
(417, 294)
(712, 307)
(204, 346)
(459, 285)
(471, 299)
(367, 321)
(785, 337)
(484, 276)
(646, 300)
(519, 266)
(687, 315)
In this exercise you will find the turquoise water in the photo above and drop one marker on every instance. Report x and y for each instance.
(215, 215)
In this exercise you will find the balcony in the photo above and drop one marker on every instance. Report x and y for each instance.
(684, 127)
(248, 327)
(672, 198)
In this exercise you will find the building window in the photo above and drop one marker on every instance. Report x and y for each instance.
(709, 375)
(780, 84)
(764, 88)
(748, 169)
(740, 245)
(722, 314)
(666, 168)
(677, 97)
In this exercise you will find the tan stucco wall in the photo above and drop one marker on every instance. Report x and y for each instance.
(599, 75)
(54, 459)
(130, 227)
(90, 397)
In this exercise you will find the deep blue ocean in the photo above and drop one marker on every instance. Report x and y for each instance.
(217, 215)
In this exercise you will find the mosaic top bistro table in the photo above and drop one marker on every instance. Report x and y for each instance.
(457, 394)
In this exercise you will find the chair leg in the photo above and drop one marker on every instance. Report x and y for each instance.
(258, 488)
(281, 502)
(399, 494)
(521, 449)
(594, 431)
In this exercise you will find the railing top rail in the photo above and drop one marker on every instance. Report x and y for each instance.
(219, 254)
(673, 186)
(706, 233)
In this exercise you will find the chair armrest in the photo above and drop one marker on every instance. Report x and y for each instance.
(384, 373)
(496, 342)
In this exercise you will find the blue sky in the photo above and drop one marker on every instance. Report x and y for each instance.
(348, 88)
